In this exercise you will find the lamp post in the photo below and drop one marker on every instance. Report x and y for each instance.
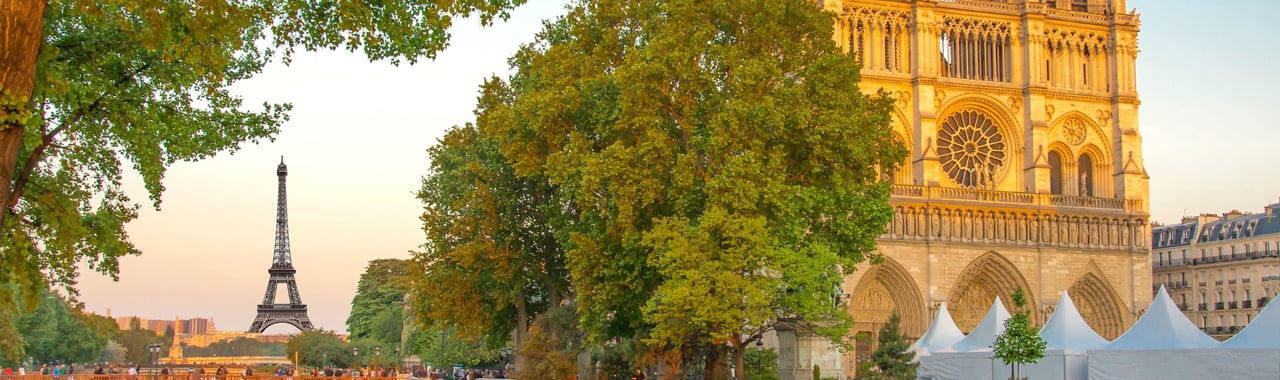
(506, 358)
(397, 360)
(355, 356)
(154, 348)
(377, 351)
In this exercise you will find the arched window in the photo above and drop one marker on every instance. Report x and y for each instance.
(1086, 175)
(1055, 173)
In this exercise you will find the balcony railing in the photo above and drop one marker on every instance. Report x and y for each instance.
(1218, 306)
(1231, 282)
(1262, 302)
(1270, 278)
(1183, 307)
(1203, 307)
(1246, 280)
(1013, 198)
(1171, 285)
(1246, 304)
(1201, 284)
(1218, 283)
(1270, 253)
(1232, 305)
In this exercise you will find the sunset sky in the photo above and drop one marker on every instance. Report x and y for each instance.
(356, 149)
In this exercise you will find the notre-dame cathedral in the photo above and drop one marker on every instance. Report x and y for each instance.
(1025, 167)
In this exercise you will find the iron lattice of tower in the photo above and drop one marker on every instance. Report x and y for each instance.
(269, 312)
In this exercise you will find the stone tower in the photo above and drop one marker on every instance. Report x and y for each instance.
(1025, 166)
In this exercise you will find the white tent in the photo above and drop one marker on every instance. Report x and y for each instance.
(970, 358)
(984, 335)
(1067, 330)
(942, 333)
(1067, 336)
(1163, 326)
(1262, 332)
(1163, 344)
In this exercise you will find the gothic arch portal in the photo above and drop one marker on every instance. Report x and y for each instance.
(978, 285)
(884, 289)
(1099, 304)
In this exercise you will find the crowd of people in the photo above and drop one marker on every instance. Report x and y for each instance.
(221, 372)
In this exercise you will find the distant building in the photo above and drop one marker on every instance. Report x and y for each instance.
(1220, 269)
(187, 327)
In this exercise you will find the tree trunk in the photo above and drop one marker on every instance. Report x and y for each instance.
(22, 24)
(716, 368)
(739, 360)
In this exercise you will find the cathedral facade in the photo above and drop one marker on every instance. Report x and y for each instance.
(1025, 167)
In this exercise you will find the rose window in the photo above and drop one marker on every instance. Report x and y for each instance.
(971, 149)
(1074, 131)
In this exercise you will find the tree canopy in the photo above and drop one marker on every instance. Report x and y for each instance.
(1020, 343)
(90, 87)
(717, 168)
(377, 310)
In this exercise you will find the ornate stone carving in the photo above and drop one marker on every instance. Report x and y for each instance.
(971, 149)
(939, 96)
(1074, 131)
(1104, 116)
(1048, 111)
(1015, 103)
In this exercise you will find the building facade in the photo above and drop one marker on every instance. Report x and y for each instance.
(1025, 166)
(1220, 270)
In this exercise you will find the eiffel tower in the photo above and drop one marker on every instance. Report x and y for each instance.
(269, 312)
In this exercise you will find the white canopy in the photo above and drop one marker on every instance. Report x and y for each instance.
(1163, 326)
(942, 333)
(1262, 332)
(984, 335)
(1067, 330)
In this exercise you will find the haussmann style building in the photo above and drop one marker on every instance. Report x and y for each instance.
(1025, 167)
(1220, 269)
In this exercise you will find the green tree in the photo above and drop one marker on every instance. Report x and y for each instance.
(87, 85)
(761, 365)
(56, 332)
(893, 358)
(443, 346)
(492, 261)
(722, 166)
(135, 343)
(1019, 343)
(319, 349)
(378, 307)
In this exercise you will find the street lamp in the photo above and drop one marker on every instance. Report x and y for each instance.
(377, 351)
(397, 360)
(506, 358)
(355, 355)
(154, 348)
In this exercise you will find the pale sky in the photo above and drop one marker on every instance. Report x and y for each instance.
(357, 139)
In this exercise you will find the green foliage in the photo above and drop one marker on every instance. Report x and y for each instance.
(319, 349)
(817, 372)
(1020, 343)
(761, 364)
(893, 358)
(444, 346)
(235, 347)
(492, 260)
(378, 307)
(147, 83)
(56, 332)
(719, 160)
(135, 343)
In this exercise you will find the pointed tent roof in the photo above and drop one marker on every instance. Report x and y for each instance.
(942, 332)
(1067, 330)
(1163, 326)
(984, 335)
(1262, 332)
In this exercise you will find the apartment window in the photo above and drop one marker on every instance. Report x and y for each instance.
(1248, 318)
(1204, 322)
(1221, 321)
